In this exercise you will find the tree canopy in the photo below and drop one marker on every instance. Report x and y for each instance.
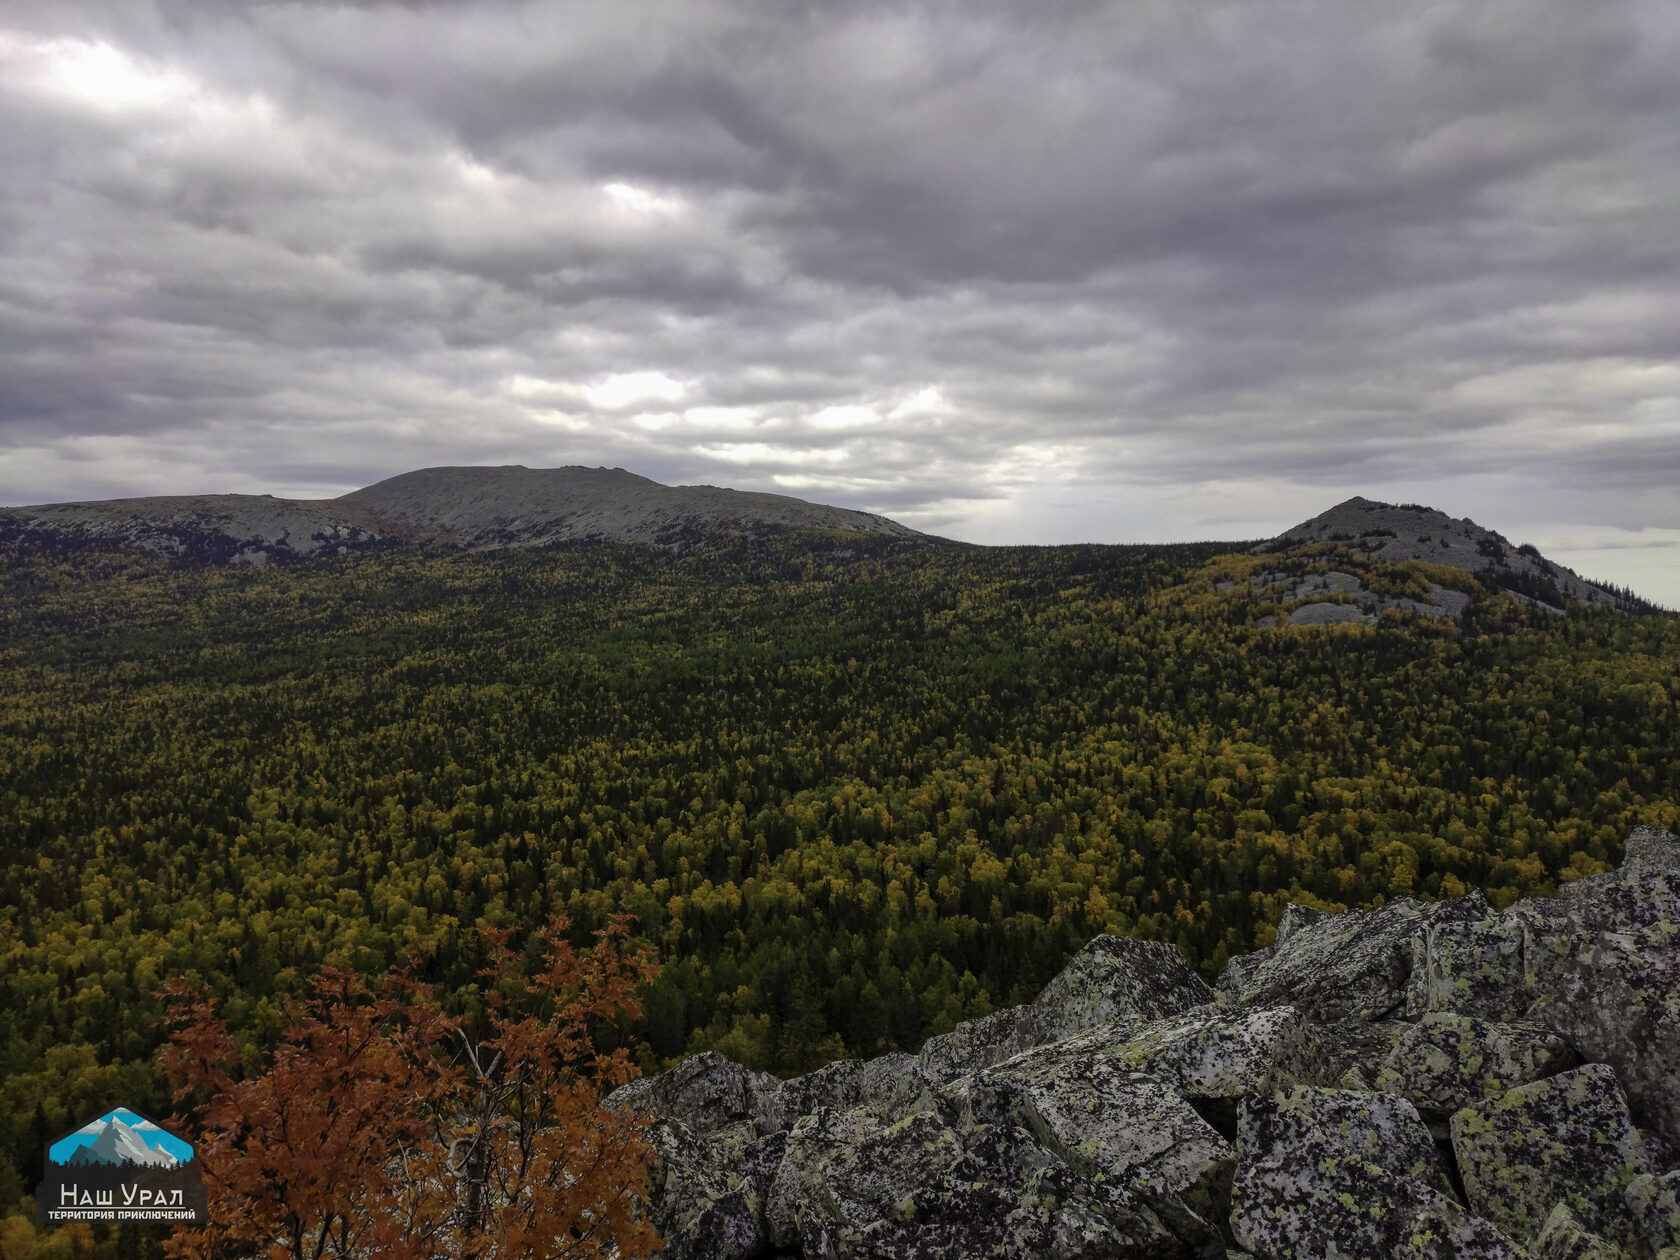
(854, 791)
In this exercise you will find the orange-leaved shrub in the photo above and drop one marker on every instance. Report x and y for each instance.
(381, 1127)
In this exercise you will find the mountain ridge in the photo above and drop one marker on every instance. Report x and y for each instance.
(468, 508)
(471, 508)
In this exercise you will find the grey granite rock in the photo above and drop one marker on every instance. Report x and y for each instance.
(1568, 1139)
(707, 1202)
(1333, 1173)
(1116, 979)
(1472, 967)
(1218, 1052)
(1295, 917)
(705, 1092)
(1354, 965)
(1563, 1237)
(979, 1043)
(1617, 998)
(1112, 1125)
(1124, 1114)
(1654, 1204)
(1351, 1052)
(1446, 1061)
(851, 1186)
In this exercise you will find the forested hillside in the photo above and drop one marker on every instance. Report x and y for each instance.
(854, 790)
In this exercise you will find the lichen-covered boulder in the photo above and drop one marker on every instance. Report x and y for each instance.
(1116, 979)
(886, 1086)
(1124, 1114)
(1295, 917)
(1654, 1204)
(1599, 965)
(852, 1186)
(1445, 1061)
(978, 1043)
(705, 1092)
(1113, 980)
(1617, 998)
(1112, 1125)
(1353, 965)
(1604, 961)
(1350, 1052)
(1334, 1173)
(1567, 1139)
(705, 1201)
(891, 1082)
(1376, 1128)
(1641, 892)
(1563, 1237)
(1221, 1052)
(839, 1085)
(1471, 967)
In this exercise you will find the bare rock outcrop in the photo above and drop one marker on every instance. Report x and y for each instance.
(1417, 1080)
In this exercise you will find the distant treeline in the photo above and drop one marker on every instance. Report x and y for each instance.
(855, 791)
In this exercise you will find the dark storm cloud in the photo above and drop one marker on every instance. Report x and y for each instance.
(1031, 272)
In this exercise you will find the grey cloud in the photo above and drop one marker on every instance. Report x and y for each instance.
(1058, 250)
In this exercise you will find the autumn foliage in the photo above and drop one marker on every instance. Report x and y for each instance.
(382, 1126)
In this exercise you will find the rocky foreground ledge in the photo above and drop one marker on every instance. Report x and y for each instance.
(1418, 1080)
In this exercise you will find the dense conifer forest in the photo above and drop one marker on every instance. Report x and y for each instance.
(854, 791)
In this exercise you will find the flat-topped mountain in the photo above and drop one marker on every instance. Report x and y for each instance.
(466, 508)
(517, 506)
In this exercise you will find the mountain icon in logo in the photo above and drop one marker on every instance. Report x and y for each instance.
(122, 1166)
(120, 1139)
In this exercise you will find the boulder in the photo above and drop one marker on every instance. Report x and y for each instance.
(1445, 1061)
(838, 1085)
(1217, 1054)
(1568, 1139)
(1654, 1204)
(1350, 1052)
(1113, 1126)
(1113, 980)
(891, 1082)
(1471, 967)
(886, 1086)
(1300, 1114)
(1295, 917)
(1334, 1173)
(978, 1043)
(1617, 998)
(704, 1203)
(705, 1092)
(852, 1186)
(1354, 965)
(1601, 964)
(1119, 980)
(1563, 1237)
(1642, 892)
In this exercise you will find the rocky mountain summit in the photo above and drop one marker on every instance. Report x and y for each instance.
(1416, 1080)
(1395, 533)
(469, 509)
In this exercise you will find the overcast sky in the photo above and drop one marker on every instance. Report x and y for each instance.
(1026, 272)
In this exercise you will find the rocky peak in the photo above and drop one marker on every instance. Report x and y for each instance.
(1419, 1080)
(1410, 531)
